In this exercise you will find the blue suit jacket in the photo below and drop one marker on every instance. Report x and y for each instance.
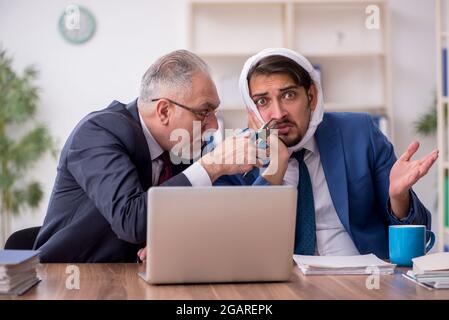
(356, 159)
(98, 207)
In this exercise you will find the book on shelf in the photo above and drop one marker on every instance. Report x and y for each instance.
(446, 210)
(446, 199)
(18, 271)
(444, 71)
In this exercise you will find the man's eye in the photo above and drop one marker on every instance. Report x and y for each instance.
(261, 101)
(205, 113)
(289, 95)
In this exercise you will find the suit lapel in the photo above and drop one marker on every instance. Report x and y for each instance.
(176, 169)
(332, 157)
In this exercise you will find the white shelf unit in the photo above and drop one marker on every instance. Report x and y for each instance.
(354, 61)
(442, 32)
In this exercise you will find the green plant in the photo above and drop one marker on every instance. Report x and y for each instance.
(426, 125)
(19, 152)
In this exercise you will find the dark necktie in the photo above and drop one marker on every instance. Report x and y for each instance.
(305, 235)
(166, 172)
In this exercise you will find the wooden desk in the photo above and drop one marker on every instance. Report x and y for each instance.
(120, 281)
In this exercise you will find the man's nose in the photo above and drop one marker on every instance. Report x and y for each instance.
(210, 123)
(277, 111)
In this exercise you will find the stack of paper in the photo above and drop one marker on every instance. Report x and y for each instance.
(18, 271)
(431, 270)
(336, 265)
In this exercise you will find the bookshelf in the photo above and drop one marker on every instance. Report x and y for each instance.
(354, 61)
(442, 32)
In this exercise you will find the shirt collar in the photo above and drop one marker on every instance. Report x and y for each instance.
(155, 149)
(310, 145)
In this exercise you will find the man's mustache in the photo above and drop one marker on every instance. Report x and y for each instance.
(283, 123)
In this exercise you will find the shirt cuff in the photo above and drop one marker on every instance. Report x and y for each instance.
(197, 175)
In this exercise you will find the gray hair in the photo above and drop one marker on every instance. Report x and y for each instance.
(172, 71)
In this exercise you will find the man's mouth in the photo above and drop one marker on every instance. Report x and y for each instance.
(284, 128)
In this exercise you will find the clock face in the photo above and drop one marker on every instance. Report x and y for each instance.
(76, 24)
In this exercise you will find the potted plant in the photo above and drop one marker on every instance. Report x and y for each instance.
(19, 152)
(426, 125)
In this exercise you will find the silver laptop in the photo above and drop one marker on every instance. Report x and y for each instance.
(220, 234)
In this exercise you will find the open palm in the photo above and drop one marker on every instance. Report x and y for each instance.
(406, 172)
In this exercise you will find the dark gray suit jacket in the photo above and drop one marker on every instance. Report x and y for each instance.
(98, 210)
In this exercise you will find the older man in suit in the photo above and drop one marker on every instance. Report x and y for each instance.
(98, 210)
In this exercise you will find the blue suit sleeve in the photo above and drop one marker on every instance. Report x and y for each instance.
(383, 159)
(252, 179)
(418, 214)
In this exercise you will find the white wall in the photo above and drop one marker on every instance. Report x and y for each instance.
(414, 82)
(75, 80)
(131, 34)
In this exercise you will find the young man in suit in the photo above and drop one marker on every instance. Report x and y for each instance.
(98, 210)
(350, 185)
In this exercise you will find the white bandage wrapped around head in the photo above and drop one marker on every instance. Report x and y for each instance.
(317, 114)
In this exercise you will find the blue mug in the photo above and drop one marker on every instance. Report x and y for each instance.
(407, 242)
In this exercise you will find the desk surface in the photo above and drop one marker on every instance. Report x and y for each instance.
(120, 281)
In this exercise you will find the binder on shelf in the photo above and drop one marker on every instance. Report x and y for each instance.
(446, 211)
(444, 71)
(446, 199)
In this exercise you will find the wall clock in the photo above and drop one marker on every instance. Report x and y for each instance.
(77, 24)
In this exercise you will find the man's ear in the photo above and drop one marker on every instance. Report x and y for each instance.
(163, 111)
(312, 96)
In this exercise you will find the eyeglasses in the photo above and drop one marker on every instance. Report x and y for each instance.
(202, 114)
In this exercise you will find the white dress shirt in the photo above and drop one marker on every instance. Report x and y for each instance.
(196, 174)
(331, 236)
